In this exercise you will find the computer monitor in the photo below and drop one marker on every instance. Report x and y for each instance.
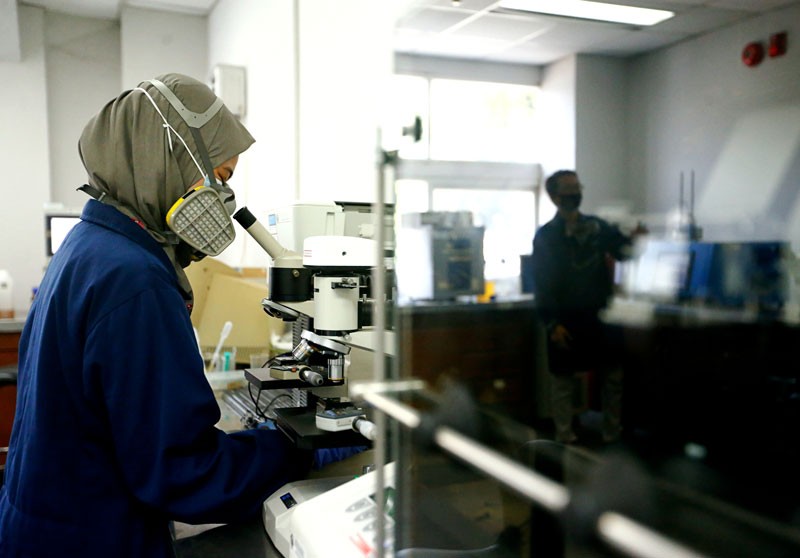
(721, 274)
(660, 272)
(56, 227)
(671, 273)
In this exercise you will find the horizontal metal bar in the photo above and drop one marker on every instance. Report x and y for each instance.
(398, 411)
(634, 539)
(534, 486)
(618, 531)
(360, 389)
(537, 488)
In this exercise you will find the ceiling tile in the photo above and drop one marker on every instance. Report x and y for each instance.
(471, 5)
(449, 45)
(637, 41)
(672, 5)
(578, 34)
(751, 5)
(432, 19)
(103, 9)
(194, 7)
(506, 27)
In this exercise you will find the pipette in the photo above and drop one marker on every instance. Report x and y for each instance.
(223, 335)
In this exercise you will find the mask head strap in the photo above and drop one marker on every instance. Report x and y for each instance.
(195, 121)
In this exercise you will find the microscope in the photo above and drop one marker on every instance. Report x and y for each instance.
(325, 294)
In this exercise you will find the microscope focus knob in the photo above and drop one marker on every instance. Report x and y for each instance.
(310, 376)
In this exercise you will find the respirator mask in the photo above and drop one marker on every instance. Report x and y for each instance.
(202, 216)
(570, 202)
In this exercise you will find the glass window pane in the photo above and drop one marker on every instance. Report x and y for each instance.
(547, 209)
(481, 121)
(411, 196)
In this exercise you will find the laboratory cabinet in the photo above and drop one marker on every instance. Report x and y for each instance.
(723, 396)
(9, 347)
(9, 351)
(495, 349)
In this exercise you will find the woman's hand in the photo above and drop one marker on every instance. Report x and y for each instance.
(560, 336)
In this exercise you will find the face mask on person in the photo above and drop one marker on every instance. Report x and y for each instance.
(226, 194)
(185, 254)
(188, 252)
(570, 202)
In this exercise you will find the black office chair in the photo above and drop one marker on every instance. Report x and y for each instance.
(8, 391)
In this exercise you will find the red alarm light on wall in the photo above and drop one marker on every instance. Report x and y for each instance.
(753, 54)
(777, 45)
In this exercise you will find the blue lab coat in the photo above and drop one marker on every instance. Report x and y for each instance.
(114, 434)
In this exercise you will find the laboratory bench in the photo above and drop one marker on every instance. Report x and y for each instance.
(717, 381)
(247, 539)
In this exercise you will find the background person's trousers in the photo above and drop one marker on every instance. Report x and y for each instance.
(562, 398)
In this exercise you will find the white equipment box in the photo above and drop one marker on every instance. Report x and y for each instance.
(330, 517)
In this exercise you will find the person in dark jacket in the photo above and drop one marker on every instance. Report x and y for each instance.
(114, 434)
(573, 281)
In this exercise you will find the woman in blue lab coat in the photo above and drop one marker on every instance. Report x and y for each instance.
(114, 434)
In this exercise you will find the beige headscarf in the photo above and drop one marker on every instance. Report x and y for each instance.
(142, 167)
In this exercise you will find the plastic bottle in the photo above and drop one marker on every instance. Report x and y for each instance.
(6, 295)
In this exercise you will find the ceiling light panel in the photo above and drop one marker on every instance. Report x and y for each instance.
(597, 11)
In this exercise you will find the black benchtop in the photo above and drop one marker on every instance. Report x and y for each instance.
(247, 539)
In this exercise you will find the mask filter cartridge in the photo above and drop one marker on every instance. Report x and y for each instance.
(201, 219)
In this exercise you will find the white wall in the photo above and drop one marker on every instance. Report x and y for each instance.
(341, 70)
(696, 106)
(558, 113)
(155, 42)
(473, 70)
(318, 142)
(584, 124)
(70, 68)
(601, 126)
(10, 50)
(24, 145)
(263, 45)
(346, 59)
(85, 68)
(83, 74)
